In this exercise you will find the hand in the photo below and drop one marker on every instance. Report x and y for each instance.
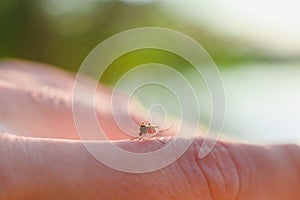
(36, 106)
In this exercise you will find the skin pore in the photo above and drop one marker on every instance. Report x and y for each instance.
(43, 157)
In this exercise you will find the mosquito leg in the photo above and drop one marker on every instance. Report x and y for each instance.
(160, 141)
(135, 138)
(141, 138)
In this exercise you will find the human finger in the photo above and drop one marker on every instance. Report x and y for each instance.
(36, 101)
(64, 169)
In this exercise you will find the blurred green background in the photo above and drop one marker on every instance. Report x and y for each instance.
(253, 43)
(64, 32)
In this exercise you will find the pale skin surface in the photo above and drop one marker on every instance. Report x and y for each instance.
(35, 101)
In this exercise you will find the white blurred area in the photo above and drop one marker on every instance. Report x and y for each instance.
(263, 102)
(273, 25)
(263, 99)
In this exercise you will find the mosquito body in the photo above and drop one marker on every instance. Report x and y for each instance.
(149, 131)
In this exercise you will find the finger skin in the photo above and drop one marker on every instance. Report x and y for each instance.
(63, 169)
(267, 172)
(34, 97)
(36, 101)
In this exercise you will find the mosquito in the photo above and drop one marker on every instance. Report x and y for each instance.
(149, 131)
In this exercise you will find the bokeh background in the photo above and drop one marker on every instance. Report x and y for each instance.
(255, 44)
